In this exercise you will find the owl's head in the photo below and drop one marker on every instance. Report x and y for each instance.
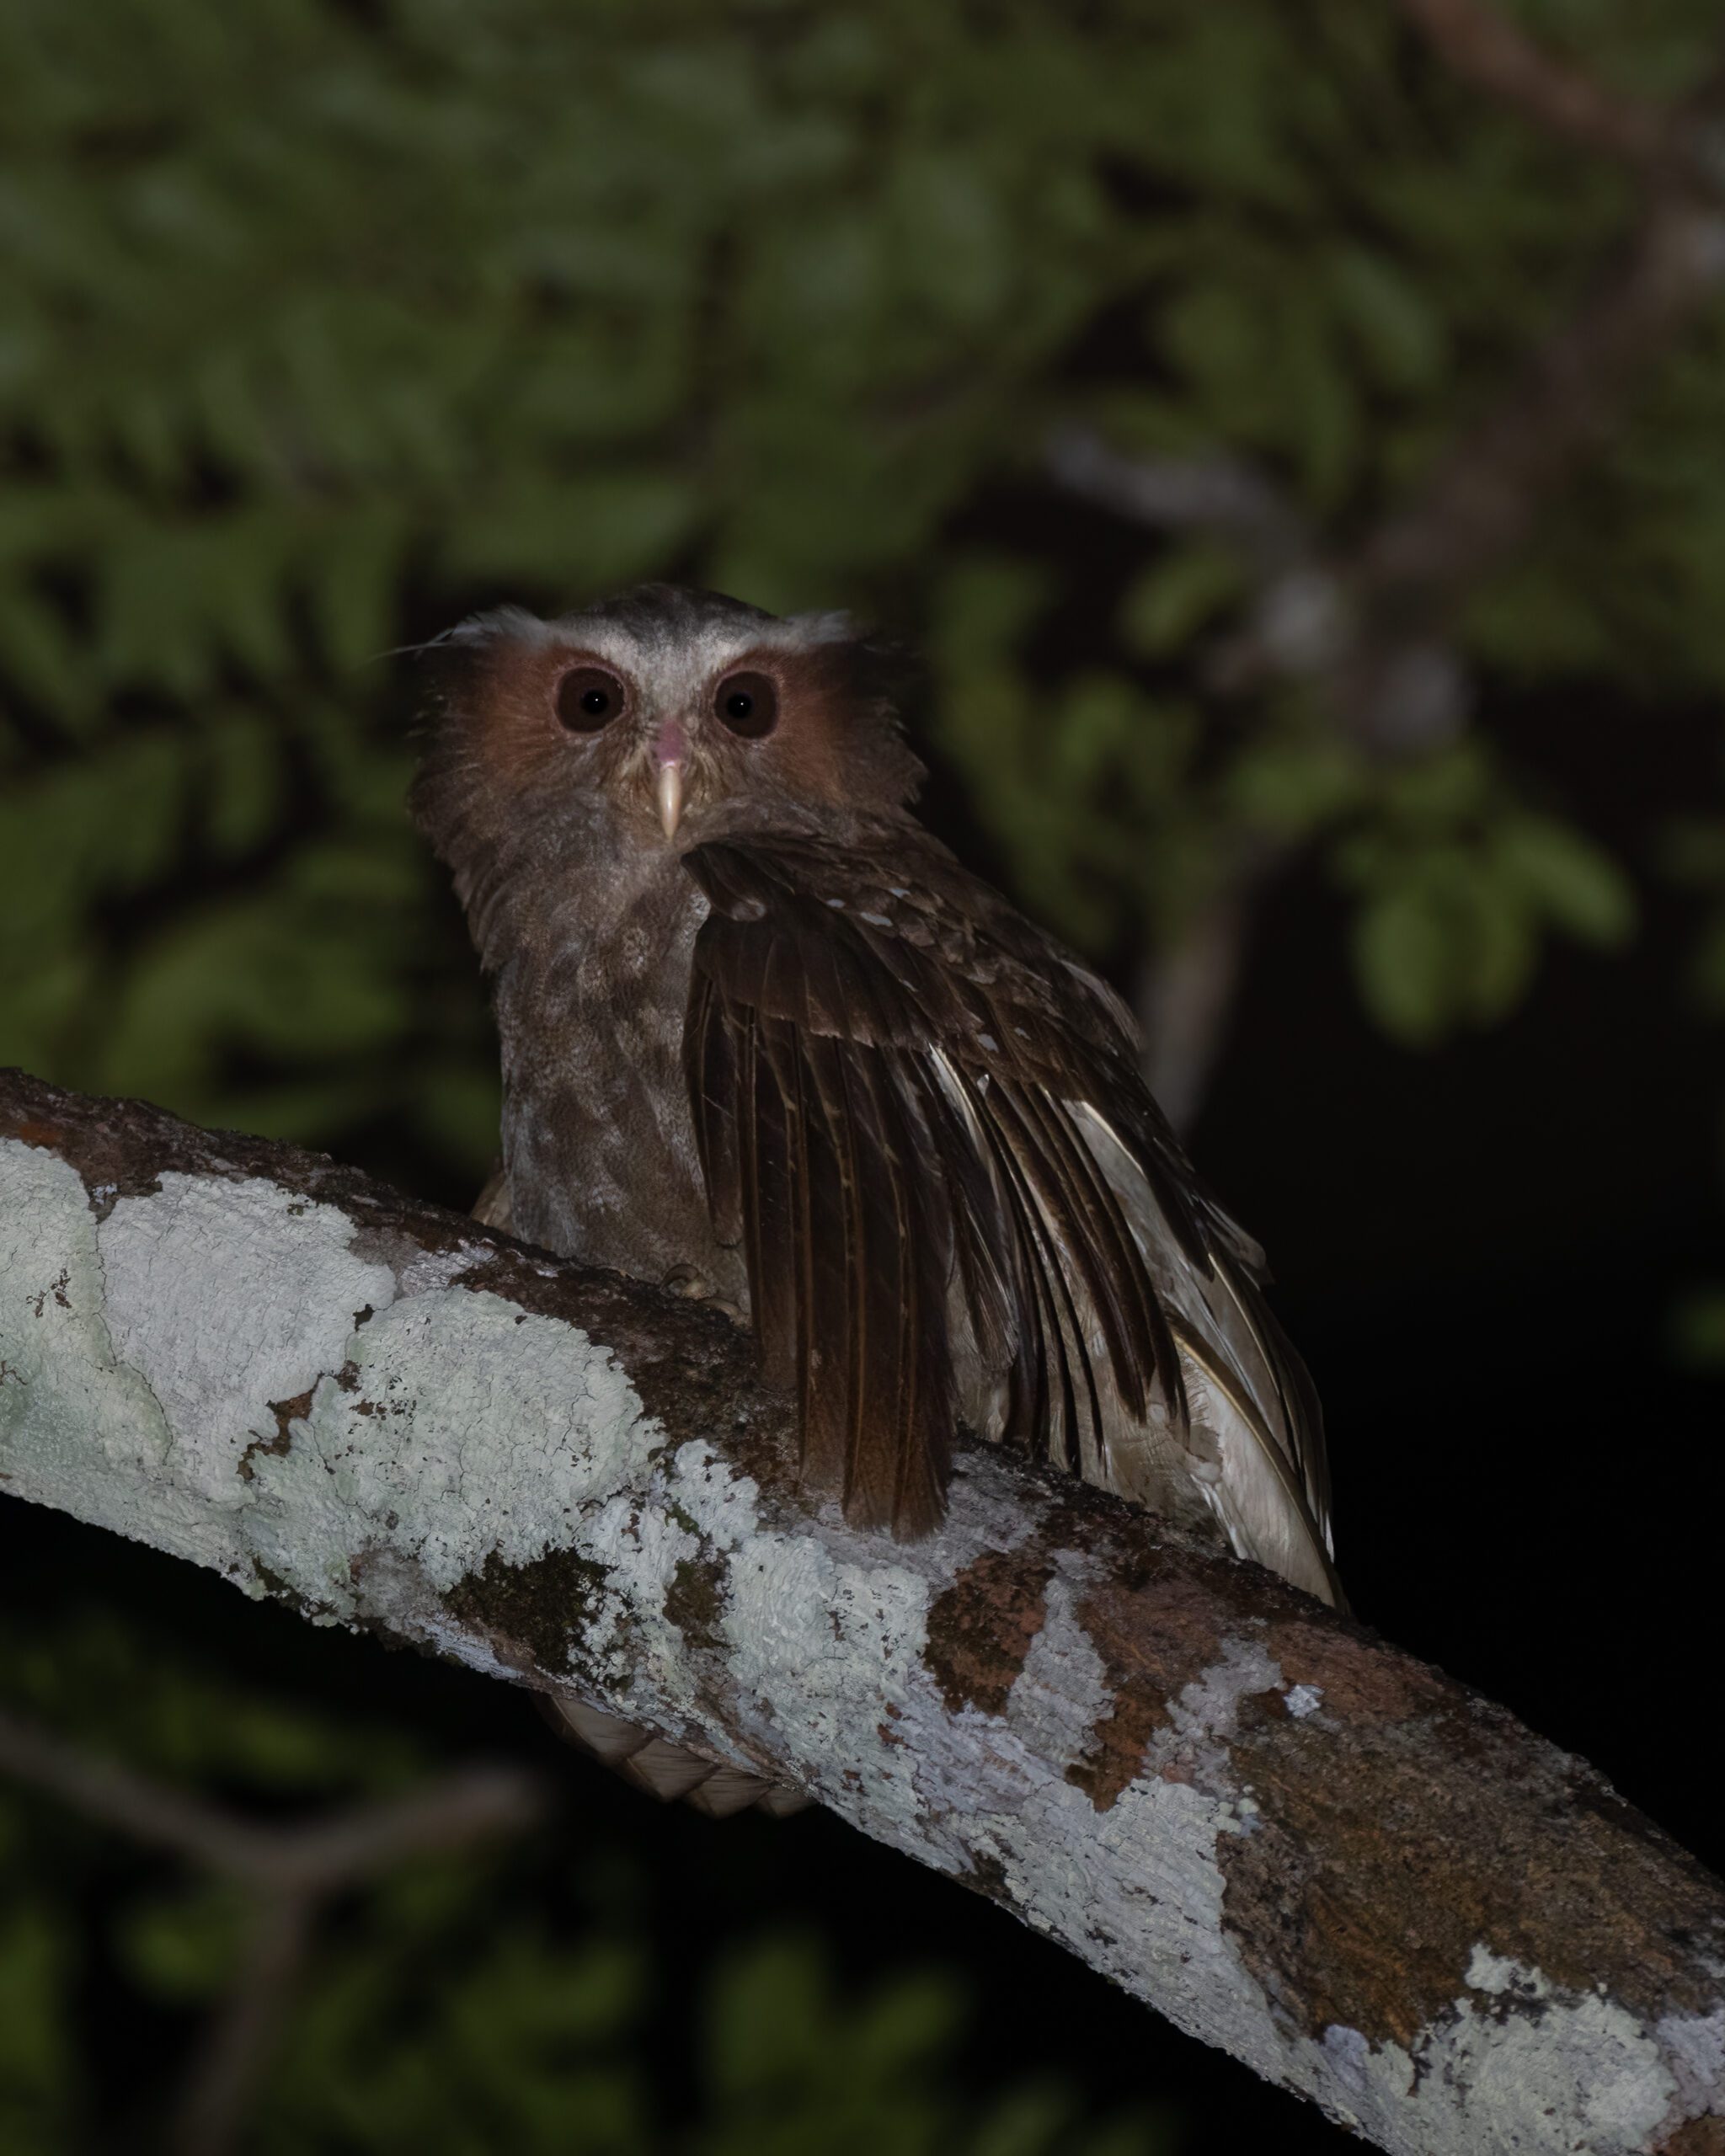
(663, 717)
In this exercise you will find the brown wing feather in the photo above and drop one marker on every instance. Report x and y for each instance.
(814, 1146)
(492, 1208)
(899, 1086)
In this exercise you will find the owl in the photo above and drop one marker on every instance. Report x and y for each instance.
(764, 1038)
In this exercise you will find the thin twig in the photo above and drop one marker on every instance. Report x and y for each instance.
(291, 1872)
(1480, 501)
(105, 1790)
(319, 1858)
(1186, 993)
(464, 1806)
(1220, 494)
(241, 2035)
(1484, 49)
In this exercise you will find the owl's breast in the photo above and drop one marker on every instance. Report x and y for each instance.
(598, 1141)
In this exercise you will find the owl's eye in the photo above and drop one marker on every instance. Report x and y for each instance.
(748, 704)
(589, 698)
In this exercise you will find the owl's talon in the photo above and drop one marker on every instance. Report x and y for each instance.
(685, 1281)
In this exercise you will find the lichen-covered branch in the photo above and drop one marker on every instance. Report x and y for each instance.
(1290, 1839)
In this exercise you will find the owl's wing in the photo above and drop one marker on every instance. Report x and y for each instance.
(492, 1208)
(926, 1125)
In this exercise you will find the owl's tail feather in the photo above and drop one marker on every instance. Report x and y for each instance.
(663, 1769)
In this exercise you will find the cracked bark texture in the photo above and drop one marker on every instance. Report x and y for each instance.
(1294, 1840)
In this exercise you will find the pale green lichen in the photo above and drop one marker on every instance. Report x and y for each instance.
(64, 1394)
(453, 1428)
(170, 1339)
(289, 1287)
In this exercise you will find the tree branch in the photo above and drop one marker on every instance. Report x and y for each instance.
(244, 2030)
(1292, 1840)
(1485, 49)
(1185, 994)
(321, 1857)
(1479, 503)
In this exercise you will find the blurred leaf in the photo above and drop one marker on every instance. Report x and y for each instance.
(247, 781)
(38, 655)
(1567, 877)
(183, 1947)
(1170, 601)
(352, 574)
(601, 531)
(1295, 786)
(767, 2016)
(1705, 970)
(1403, 956)
(1501, 947)
(38, 2071)
(1693, 852)
(1398, 327)
(908, 2024)
(1698, 1329)
(1030, 2121)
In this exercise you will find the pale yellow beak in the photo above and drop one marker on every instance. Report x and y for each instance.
(669, 791)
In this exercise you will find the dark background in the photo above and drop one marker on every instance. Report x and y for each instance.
(327, 327)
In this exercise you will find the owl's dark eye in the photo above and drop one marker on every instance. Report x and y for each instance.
(589, 698)
(748, 704)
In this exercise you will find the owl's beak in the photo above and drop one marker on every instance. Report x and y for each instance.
(667, 760)
(668, 790)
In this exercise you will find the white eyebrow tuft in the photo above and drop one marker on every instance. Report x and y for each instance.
(807, 629)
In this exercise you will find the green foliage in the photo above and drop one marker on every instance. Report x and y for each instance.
(323, 322)
(1698, 1329)
(1695, 855)
(38, 2065)
(1457, 883)
(528, 2045)
(1178, 595)
(791, 2064)
(182, 1723)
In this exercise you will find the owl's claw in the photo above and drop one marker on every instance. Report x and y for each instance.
(694, 1287)
(685, 1281)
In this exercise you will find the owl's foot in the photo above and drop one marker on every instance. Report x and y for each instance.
(694, 1287)
(663, 1769)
